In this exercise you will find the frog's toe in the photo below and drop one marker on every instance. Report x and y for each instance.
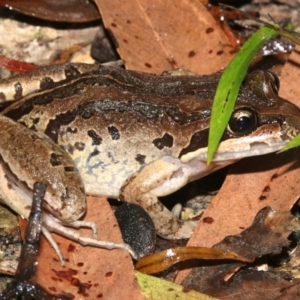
(184, 231)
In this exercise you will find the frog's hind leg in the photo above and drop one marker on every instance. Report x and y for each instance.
(159, 178)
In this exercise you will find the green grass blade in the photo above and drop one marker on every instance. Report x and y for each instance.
(295, 142)
(229, 85)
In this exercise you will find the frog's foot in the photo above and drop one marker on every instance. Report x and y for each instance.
(160, 178)
(184, 231)
(177, 210)
(54, 225)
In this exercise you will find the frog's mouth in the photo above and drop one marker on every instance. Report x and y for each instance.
(191, 166)
(267, 139)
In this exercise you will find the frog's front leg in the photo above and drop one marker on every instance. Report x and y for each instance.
(159, 178)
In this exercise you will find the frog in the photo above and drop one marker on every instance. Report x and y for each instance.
(126, 135)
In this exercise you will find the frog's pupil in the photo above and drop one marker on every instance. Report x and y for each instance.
(243, 123)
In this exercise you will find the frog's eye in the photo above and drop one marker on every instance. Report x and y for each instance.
(242, 122)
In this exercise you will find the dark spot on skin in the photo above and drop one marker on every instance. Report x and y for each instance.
(72, 130)
(209, 30)
(165, 141)
(96, 139)
(220, 52)
(262, 197)
(79, 146)
(210, 52)
(108, 274)
(80, 264)
(94, 153)
(198, 140)
(35, 120)
(65, 196)
(52, 288)
(55, 160)
(112, 157)
(125, 41)
(128, 22)
(18, 90)
(136, 37)
(266, 189)
(113, 24)
(208, 220)
(46, 83)
(71, 72)
(100, 295)
(242, 228)
(148, 65)
(140, 159)
(114, 132)
(2, 97)
(69, 169)
(192, 53)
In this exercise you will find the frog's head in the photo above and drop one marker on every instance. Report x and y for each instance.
(261, 122)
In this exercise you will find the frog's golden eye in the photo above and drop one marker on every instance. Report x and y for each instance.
(242, 122)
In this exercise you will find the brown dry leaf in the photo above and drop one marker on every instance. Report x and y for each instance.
(253, 183)
(216, 279)
(154, 36)
(289, 81)
(61, 11)
(90, 273)
(254, 284)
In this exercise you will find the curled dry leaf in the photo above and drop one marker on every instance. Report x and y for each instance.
(160, 261)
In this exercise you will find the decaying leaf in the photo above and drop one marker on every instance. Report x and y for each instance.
(155, 288)
(160, 261)
(260, 239)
